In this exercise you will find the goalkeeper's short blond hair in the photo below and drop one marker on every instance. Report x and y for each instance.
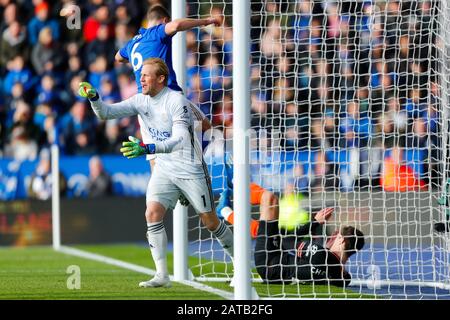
(161, 68)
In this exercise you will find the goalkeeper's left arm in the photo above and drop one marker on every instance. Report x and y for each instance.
(181, 121)
(135, 148)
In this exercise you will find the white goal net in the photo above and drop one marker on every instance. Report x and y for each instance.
(349, 109)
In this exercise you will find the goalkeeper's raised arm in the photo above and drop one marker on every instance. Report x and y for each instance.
(165, 112)
(105, 111)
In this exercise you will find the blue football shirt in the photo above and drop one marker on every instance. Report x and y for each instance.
(150, 43)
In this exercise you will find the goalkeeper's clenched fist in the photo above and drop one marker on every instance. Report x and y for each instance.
(86, 90)
(135, 148)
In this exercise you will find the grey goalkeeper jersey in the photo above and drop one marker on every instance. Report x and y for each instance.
(169, 120)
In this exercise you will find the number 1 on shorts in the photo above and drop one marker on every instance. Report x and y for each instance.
(204, 200)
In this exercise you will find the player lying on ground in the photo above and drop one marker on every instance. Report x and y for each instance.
(179, 166)
(266, 199)
(155, 41)
(281, 259)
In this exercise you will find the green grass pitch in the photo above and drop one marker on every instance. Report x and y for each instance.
(41, 273)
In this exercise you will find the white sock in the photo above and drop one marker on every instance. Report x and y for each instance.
(157, 240)
(225, 237)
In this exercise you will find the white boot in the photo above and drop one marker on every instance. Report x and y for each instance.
(157, 281)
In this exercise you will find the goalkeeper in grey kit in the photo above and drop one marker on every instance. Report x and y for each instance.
(283, 256)
(281, 259)
(179, 168)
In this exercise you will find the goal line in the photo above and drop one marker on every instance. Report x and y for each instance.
(355, 283)
(133, 267)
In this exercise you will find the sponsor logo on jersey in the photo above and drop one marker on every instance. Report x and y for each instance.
(159, 135)
(316, 271)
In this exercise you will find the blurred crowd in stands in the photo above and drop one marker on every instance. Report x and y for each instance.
(354, 82)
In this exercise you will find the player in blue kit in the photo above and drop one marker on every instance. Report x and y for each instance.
(155, 41)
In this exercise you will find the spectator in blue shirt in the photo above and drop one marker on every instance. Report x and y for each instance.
(213, 75)
(108, 90)
(40, 186)
(74, 63)
(98, 70)
(18, 73)
(415, 104)
(41, 113)
(356, 128)
(40, 21)
(47, 93)
(302, 21)
(78, 130)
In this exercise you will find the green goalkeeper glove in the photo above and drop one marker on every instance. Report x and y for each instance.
(86, 90)
(135, 148)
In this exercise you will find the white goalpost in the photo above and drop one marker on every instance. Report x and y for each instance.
(241, 148)
(242, 289)
(180, 213)
(56, 210)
